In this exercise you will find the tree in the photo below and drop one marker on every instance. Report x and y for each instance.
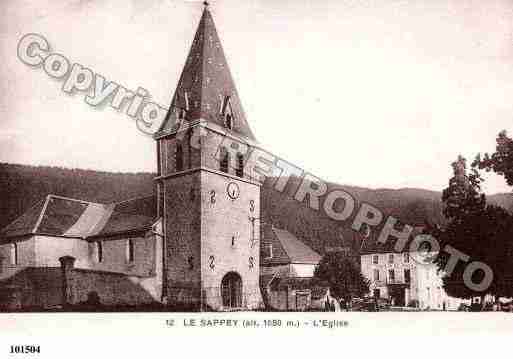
(343, 276)
(478, 230)
(463, 197)
(501, 161)
(463, 202)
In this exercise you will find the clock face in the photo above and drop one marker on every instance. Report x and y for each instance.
(233, 190)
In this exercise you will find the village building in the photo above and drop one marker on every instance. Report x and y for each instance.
(406, 279)
(287, 267)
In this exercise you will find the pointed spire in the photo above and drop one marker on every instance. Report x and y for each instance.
(206, 89)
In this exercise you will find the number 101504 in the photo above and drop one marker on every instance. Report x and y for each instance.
(25, 349)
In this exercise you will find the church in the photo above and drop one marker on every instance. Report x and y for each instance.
(196, 244)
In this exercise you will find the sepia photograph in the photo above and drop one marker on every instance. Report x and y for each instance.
(271, 165)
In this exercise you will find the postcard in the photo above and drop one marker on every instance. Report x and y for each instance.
(254, 170)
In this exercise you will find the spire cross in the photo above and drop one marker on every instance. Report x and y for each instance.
(206, 3)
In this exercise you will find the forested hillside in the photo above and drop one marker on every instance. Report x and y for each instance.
(21, 186)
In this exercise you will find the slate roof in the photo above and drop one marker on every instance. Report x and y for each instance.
(68, 217)
(372, 246)
(286, 248)
(130, 215)
(26, 223)
(61, 215)
(206, 83)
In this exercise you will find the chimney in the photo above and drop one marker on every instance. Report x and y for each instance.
(67, 266)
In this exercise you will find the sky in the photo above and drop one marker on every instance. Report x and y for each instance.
(367, 93)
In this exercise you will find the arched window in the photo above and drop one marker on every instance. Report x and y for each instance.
(224, 160)
(14, 254)
(231, 290)
(240, 165)
(179, 158)
(130, 251)
(99, 252)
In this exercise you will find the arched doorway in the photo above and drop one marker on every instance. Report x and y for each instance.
(231, 290)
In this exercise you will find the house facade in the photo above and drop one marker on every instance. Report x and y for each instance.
(406, 281)
(287, 268)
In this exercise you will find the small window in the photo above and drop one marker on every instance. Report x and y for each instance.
(226, 113)
(229, 121)
(391, 275)
(407, 276)
(99, 252)
(14, 254)
(376, 274)
(225, 159)
(179, 157)
(130, 251)
(406, 257)
(269, 251)
(375, 259)
(240, 165)
(391, 258)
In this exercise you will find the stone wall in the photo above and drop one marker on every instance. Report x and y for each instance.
(30, 287)
(45, 287)
(112, 288)
(229, 238)
(182, 223)
(115, 256)
(207, 233)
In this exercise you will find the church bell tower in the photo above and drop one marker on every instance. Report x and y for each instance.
(208, 199)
